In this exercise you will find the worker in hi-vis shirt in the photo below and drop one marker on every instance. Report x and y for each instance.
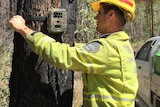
(107, 63)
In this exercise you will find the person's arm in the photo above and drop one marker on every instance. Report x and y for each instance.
(18, 24)
(82, 57)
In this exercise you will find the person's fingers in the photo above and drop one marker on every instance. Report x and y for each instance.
(17, 22)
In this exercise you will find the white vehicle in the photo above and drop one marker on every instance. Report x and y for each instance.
(148, 71)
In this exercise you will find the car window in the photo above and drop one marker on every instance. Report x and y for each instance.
(143, 53)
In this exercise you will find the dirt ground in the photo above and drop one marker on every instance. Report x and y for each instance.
(78, 88)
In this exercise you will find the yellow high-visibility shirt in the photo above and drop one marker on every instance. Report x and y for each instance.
(108, 66)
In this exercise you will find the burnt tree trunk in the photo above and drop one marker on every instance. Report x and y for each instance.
(34, 82)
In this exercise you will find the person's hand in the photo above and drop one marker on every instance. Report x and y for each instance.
(18, 23)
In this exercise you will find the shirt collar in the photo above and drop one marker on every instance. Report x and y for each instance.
(104, 35)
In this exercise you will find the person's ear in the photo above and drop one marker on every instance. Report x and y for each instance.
(111, 14)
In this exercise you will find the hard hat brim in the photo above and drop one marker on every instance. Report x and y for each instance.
(96, 6)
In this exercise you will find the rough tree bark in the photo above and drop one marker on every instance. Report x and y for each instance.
(33, 82)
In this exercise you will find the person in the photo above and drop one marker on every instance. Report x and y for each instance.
(107, 63)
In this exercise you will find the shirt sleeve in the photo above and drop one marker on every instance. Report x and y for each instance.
(82, 57)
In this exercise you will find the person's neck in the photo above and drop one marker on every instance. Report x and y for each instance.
(112, 31)
(114, 28)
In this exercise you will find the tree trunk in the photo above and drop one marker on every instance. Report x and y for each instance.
(34, 82)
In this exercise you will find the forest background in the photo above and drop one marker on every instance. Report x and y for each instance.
(146, 25)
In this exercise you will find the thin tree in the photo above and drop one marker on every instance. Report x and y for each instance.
(152, 16)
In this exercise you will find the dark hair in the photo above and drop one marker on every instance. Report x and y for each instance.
(119, 13)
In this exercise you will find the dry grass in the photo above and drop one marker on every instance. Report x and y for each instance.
(137, 44)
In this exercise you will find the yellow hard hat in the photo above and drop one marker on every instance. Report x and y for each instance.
(126, 5)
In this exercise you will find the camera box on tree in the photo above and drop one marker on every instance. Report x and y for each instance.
(57, 20)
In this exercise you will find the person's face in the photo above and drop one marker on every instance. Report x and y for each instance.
(102, 21)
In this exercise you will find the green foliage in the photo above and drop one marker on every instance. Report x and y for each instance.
(5, 68)
(86, 23)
